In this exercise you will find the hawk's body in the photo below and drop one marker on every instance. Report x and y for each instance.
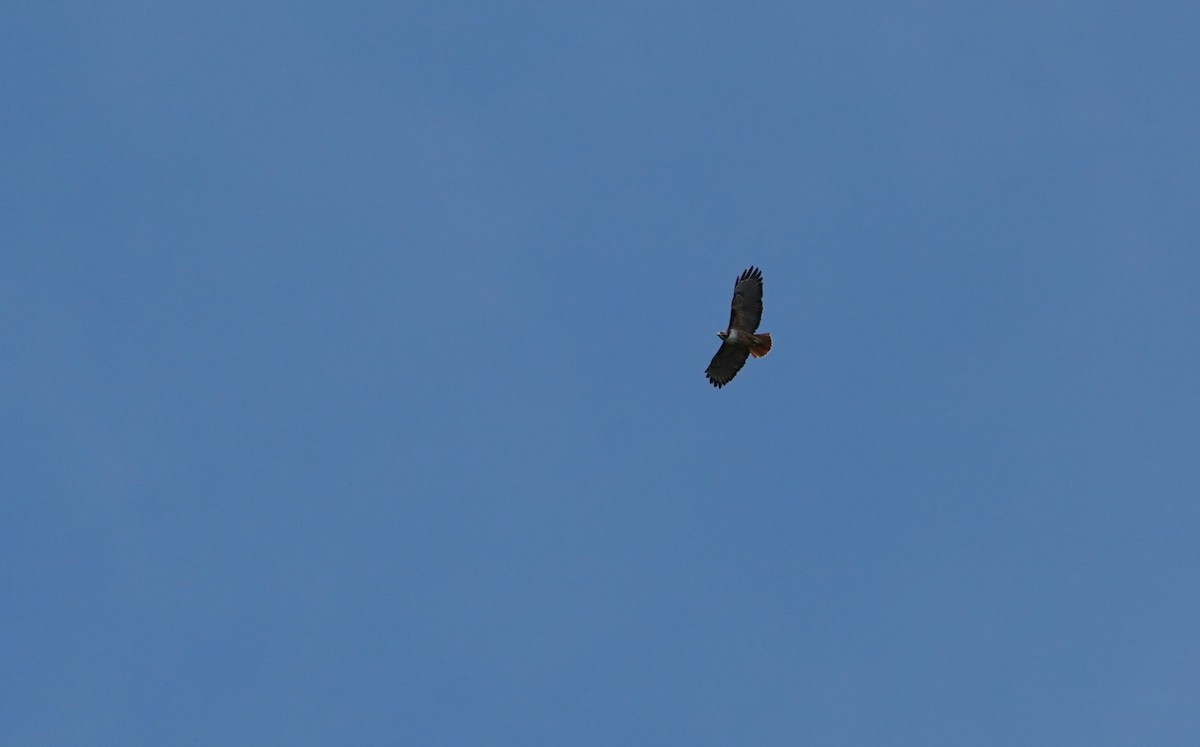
(739, 341)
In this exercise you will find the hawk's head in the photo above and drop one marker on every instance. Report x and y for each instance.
(723, 334)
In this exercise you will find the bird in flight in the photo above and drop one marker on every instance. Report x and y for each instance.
(739, 341)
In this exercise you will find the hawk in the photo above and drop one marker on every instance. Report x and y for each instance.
(739, 341)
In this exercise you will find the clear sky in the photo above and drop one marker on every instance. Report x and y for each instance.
(352, 386)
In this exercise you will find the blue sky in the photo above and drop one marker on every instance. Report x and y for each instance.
(353, 375)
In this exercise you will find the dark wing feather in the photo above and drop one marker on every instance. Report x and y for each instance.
(747, 307)
(726, 363)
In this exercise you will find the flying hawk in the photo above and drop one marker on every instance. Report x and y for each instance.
(739, 341)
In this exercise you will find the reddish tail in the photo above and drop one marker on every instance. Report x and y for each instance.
(761, 345)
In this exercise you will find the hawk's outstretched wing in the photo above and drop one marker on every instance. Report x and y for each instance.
(726, 363)
(747, 308)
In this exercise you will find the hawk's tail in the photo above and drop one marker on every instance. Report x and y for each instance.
(761, 345)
